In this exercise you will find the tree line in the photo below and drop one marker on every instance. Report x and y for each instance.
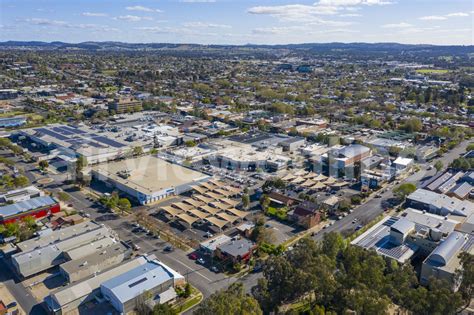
(332, 277)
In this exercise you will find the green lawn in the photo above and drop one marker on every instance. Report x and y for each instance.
(186, 305)
(280, 213)
(109, 72)
(432, 71)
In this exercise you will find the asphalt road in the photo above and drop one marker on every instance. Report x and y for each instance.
(201, 277)
(374, 207)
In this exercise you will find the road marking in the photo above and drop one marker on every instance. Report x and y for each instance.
(173, 258)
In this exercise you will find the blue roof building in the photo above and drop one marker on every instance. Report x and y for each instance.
(12, 122)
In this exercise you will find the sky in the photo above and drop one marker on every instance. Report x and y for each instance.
(438, 22)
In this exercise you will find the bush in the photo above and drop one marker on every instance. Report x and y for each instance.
(356, 200)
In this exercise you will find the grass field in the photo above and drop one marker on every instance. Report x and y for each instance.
(280, 213)
(109, 72)
(432, 71)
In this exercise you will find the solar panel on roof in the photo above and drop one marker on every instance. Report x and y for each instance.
(74, 130)
(61, 131)
(109, 142)
(52, 134)
(95, 144)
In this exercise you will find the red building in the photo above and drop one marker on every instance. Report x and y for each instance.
(38, 207)
(236, 250)
(307, 214)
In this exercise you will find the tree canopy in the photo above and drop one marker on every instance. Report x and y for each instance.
(232, 301)
(331, 277)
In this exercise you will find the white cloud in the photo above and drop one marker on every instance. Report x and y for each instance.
(56, 23)
(350, 15)
(142, 8)
(296, 30)
(93, 14)
(133, 18)
(397, 25)
(303, 12)
(318, 21)
(442, 17)
(457, 14)
(46, 22)
(352, 2)
(293, 12)
(152, 29)
(205, 25)
(432, 18)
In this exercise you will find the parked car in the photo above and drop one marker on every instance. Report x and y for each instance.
(168, 248)
(193, 256)
(12, 304)
(200, 261)
(215, 269)
(135, 246)
(358, 227)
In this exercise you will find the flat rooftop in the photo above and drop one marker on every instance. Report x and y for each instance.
(148, 174)
(56, 236)
(79, 290)
(94, 259)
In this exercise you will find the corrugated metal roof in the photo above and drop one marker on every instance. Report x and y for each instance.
(134, 282)
(444, 252)
(27, 205)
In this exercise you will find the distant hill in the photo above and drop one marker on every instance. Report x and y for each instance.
(333, 48)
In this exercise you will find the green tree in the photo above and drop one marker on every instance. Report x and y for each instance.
(137, 151)
(190, 143)
(332, 244)
(43, 165)
(12, 229)
(465, 275)
(441, 299)
(29, 222)
(81, 163)
(20, 181)
(187, 290)
(163, 309)
(438, 166)
(245, 201)
(412, 125)
(403, 190)
(264, 202)
(124, 205)
(230, 301)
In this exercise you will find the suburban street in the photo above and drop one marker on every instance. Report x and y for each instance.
(374, 206)
(200, 276)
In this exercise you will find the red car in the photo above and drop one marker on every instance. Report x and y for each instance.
(193, 256)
